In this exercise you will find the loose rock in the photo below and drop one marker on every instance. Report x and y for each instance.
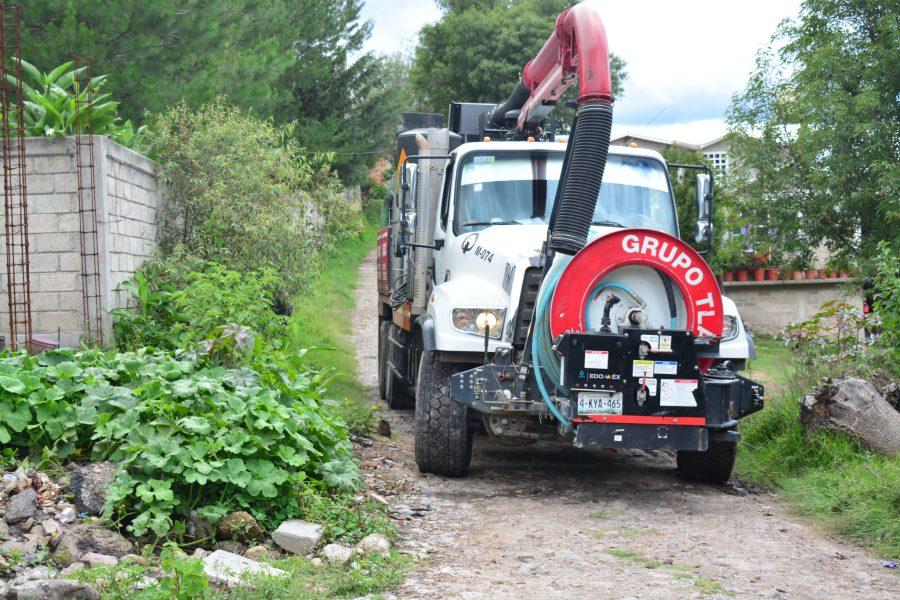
(199, 528)
(78, 540)
(336, 553)
(375, 542)
(232, 546)
(296, 536)
(53, 589)
(229, 569)
(76, 566)
(257, 553)
(89, 484)
(22, 506)
(239, 526)
(93, 558)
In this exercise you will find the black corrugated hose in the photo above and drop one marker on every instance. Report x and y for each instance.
(590, 146)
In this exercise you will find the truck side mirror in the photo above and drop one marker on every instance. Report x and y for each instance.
(704, 230)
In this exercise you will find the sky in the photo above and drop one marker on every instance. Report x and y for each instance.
(684, 59)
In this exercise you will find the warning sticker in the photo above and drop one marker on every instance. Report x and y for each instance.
(666, 367)
(651, 384)
(596, 359)
(653, 340)
(665, 343)
(641, 368)
(677, 392)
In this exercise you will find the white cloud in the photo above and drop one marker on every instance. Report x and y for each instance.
(396, 23)
(692, 132)
(685, 59)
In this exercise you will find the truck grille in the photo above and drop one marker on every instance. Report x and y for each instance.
(530, 285)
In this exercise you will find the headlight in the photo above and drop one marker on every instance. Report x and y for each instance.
(476, 320)
(730, 328)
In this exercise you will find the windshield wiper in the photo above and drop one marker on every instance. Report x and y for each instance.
(607, 224)
(478, 223)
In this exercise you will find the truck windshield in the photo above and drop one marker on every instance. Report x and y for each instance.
(519, 188)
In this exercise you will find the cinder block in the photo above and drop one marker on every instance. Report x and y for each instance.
(56, 282)
(69, 261)
(70, 301)
(51, 203)
(55, 242)
(66, 320)
(43, 223)
(58, 163)
(44, 262)
(68, 223)
(44, 301)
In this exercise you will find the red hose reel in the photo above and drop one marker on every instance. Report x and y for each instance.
(669, 255)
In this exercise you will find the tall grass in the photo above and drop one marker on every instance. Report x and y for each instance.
(824, 475)
(321, 323)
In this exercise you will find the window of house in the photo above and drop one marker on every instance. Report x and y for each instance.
(719, 160)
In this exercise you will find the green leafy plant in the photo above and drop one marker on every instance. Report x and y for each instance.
(183, 577)
(833, 333)
(886, 286)
(239, 195)
(57, 101)
(232, 314)
(186, 433)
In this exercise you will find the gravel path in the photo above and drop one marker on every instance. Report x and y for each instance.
(549, 521)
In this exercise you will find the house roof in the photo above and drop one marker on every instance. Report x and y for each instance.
(629, 137)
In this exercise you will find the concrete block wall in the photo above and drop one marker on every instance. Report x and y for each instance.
(127, 198)
(768, 306)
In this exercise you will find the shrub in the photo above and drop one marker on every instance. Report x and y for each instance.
(241, 193)
(51, 100)
(886, 287)
(212, 298)
(187, 435)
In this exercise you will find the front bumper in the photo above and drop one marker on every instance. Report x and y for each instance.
(664, 399)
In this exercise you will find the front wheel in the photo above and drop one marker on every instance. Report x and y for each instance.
(713, 466)
(443, 434)
(396, 369)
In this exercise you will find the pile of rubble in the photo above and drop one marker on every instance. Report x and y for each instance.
(49, 530)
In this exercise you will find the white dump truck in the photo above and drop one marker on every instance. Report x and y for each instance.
(533, 287)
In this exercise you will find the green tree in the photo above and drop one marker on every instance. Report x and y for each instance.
(729, 242)
(476, 52)
(161, 52)
(344, 100)
(815, 136)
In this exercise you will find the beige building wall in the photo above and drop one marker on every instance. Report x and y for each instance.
(768, 306)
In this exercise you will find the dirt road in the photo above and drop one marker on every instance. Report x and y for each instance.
(548, 521)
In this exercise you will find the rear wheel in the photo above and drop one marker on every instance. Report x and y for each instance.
(443, 434)
(713, 466)
(396, 372)
(383, 327)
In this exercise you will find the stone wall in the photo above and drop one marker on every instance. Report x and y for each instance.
(127, 198)
(767, 306)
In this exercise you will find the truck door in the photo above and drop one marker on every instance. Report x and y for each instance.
(443, 231)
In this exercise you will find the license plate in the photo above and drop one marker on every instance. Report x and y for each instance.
(590, 403)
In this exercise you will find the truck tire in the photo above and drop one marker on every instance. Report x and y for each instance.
(443, 434)
(383, 327)
(712, 466)
(396, 373)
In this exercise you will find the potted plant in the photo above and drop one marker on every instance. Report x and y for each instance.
(772, 274)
